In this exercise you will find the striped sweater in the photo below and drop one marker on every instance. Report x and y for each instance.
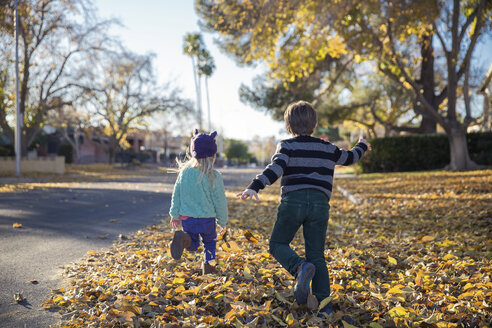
(306, 162)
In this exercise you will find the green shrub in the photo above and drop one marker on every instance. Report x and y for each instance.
(129, 157)
(66, 150)
(7, 151)
(422, 152)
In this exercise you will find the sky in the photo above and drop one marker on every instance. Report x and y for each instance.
(159, 27)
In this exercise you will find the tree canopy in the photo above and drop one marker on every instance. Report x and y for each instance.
(409, 42)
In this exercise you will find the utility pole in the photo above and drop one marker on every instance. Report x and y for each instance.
(18, 118)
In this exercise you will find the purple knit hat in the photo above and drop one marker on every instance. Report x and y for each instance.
(203, 145)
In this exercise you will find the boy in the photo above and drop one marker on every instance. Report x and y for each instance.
(306, 165)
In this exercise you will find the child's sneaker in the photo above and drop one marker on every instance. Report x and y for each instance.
(327, 310)
(208, 268)
(181, 240)
(305, 273)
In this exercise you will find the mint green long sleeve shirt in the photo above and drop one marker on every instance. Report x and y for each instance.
(196, 197)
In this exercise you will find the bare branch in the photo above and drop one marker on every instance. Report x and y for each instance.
(473, 39)
(411, 81)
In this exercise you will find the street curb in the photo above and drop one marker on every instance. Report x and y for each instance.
(347, 194)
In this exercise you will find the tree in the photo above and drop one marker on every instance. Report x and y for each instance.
(206, 68)
(58, 40)
(73, 124)
(192, 46)
(398, 37)
(263, 148)
(236, 151)
(127, 94)
(203, 65)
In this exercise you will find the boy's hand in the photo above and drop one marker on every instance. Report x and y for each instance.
(248, 193)
(364, 141)
(175, 223)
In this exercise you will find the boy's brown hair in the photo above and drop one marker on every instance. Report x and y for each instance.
(300, 118)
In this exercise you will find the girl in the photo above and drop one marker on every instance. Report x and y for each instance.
(198, 201)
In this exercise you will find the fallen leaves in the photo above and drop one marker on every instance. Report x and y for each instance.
(18, 298)
(414, 259)
(17, 225)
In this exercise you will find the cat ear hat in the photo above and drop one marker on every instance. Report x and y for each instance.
(203, 145)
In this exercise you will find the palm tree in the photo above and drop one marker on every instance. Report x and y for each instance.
(192, 46)
(206, 68)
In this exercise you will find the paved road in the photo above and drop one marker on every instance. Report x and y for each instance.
(60, 224)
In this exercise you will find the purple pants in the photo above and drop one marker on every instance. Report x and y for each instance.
(204, 228)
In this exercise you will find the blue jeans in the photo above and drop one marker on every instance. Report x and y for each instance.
(308, 208)
(204, 228)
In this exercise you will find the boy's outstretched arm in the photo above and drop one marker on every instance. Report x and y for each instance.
(270, 174)
(349, 157)
(248, 193)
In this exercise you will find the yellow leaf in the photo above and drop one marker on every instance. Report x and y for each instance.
(104, 297)
(347, 325)
(229, 315)
(427, 238)
(92, 252)
(449, 257)
(58, 291)
(17, 225)
(375, 325)
(325, 302)
(126, 316)
(84, 299)
(178, 281)
(394, 290)
(249, 236)
(398, 311)
(290, 319)
(153, 303)
(180, 289)
(469, 294)
(336, 287)
(443, 324)
(435, 317)
(392, 260)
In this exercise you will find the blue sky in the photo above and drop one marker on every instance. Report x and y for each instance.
(159, 27)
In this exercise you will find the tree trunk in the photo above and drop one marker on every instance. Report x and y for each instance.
(460, 157)
(196, 78)
(112, 154)
(428, 124)
(208, 105)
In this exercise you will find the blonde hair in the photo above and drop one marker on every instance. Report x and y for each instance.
(205, 165)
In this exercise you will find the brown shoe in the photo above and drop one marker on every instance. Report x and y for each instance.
(207, 268)
(181, 240)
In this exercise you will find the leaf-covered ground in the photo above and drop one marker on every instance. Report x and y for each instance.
(74, 173)
(416, 252)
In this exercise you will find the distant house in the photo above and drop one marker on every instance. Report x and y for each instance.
(485, 89)
(159, 144)
(92, 150)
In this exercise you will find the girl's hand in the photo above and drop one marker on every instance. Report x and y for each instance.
(175, 223)
(222, 230)
(248, 193)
